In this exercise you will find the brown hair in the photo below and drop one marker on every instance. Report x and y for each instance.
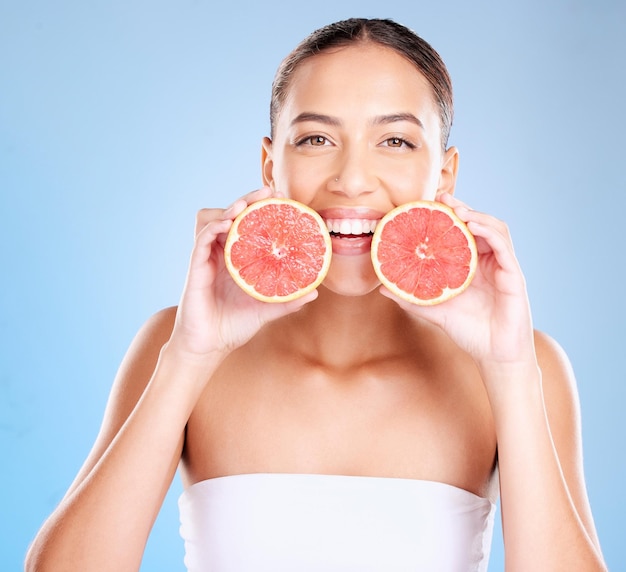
(384, 32)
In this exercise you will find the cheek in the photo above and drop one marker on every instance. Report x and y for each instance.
(298, 181)
(418, 183)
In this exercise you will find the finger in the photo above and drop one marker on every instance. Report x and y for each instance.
(258, 194)
(205, 216)
(496, 238)
(199, 269)
(465, 212)
(468, 215)
(254, 196)
(240, 204)
(475, 219)
(471, 217)
(451, 201)
(208, 234)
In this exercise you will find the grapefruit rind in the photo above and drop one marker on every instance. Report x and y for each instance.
(265, 248)
(408, 256)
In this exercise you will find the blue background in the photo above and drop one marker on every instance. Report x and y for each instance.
(119, 119)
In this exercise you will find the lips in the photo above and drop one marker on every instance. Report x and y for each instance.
(351, 229)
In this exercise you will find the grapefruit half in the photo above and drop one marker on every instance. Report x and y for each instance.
(424, 253)
(278, 250)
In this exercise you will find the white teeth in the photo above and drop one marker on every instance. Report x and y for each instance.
(345, 227)
(351, 226)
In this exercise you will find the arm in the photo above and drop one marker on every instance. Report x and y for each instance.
(104, 520)
(547, 523)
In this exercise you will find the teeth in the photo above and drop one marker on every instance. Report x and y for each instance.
(351, 226)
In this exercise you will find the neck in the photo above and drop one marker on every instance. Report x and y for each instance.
(339, 331)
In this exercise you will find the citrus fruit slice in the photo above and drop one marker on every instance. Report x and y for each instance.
(424, 253)
(278, 250)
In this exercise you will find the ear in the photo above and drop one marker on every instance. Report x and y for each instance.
(267, 163)
(449, 171)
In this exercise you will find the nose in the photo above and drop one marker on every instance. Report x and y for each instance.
(354, 174)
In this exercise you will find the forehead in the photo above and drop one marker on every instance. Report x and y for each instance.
(359, 81)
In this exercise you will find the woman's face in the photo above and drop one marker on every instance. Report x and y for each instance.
(358, 134)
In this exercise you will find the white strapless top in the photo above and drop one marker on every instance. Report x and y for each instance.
(328, 523)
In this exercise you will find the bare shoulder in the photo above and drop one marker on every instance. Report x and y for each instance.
(559, 381)
(559, 391)
(137, 367)
(132, 377)
(145, 347)
(552, 357)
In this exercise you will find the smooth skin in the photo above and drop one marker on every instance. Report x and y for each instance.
(347, 380)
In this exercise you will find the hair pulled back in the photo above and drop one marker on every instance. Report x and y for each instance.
(380, 31)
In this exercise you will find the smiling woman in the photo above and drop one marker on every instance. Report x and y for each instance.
(347, 429)
(379, 132)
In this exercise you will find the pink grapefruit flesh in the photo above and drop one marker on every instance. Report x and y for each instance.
(278, 250)
(424, 253)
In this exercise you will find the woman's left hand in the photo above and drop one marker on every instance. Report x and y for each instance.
(490, 320)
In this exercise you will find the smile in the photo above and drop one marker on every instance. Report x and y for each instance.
(350, 226)
(351, 236)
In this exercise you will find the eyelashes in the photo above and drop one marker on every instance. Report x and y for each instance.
(394, 142)
(313, 141)
(399, 142)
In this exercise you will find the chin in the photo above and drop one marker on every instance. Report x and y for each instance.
(351, 276)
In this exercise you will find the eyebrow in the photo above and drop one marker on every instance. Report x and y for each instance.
(394, 117)
(378, 120)
(316, 117)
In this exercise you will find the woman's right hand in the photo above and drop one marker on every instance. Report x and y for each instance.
(214, 314)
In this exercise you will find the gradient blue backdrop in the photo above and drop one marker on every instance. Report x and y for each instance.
(119, 119)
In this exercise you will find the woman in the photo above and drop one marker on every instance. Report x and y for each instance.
(347, 430)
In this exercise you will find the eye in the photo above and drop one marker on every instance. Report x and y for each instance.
(398, 143)
(314, 141)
